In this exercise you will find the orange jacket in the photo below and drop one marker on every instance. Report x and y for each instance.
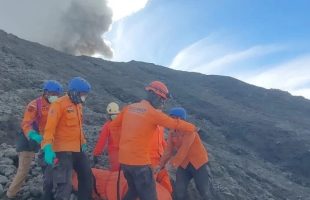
(138, 123)
(158, 146)
(110, 136)
(189, 149)
(64, 126)
(35, 115)
(106, 186)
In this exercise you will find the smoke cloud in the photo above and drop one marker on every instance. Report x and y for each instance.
(72, 26)
(83, 25)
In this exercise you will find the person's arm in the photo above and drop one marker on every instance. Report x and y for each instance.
(164, 120)
(102, 140)
(182, 152)
(29, 117)
(53, 117)
(164, 143)
(167, 153)
(162, 136)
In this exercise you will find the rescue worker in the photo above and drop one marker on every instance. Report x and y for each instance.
(191, 159)
(29, 139)
(157, 150)
(138, 122)
(64, 142)
(109, 137)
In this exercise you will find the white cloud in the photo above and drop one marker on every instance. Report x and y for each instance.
(137, 40)
(198, 53)
(292, 76)
(124, 8)
(303, 92)
(212, 57)
(123, 42)
(222, 63)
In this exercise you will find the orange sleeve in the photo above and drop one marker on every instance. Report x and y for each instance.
(29, 117)
(53, 117)
(117, 122)
(164, 120)
(167, 153)
(102, 140)
(182, 152)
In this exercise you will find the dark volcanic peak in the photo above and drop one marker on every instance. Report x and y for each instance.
(258, 139)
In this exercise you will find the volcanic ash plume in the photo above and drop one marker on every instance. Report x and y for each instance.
(82, 27)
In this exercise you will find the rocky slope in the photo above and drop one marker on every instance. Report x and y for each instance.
(258, 139)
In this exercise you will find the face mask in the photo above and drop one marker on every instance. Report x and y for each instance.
(51, 99)
(113, 117)
(83, 98)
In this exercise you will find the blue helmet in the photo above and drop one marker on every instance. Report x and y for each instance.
(78, 84)
(178, 112)
(52, 86)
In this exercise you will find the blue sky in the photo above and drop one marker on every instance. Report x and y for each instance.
(262, 42)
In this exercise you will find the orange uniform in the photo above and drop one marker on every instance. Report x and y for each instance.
(35, 113)
(189, 149)
(157, 150)
(64, 126)
(138, 123)
(158, 146)
(110, 136)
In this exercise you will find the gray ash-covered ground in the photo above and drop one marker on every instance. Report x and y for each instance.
(258, 140)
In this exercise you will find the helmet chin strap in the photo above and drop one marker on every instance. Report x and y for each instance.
(75, 97)
(45, 96)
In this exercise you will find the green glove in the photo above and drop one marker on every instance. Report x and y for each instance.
(49, 154)
(34, 135)
(84, 147)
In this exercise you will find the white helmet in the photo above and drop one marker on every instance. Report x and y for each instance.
(113, 108)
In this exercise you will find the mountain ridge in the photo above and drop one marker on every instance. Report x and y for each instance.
(258, 139)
